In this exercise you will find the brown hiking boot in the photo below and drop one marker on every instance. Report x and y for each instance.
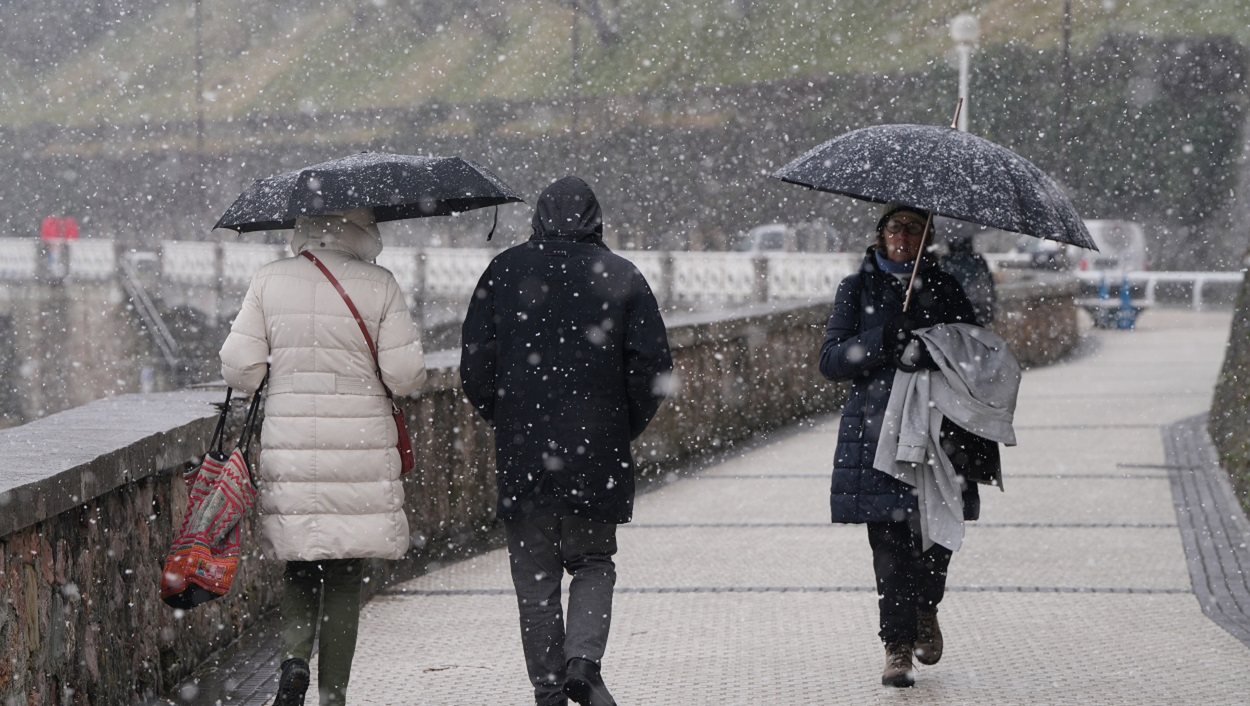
(928, 636)
(899, 671)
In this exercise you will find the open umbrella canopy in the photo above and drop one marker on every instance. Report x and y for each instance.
(395, 186)
(945, 171)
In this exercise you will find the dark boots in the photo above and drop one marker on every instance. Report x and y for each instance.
(928, 636)
(584, 684)
(293, 684)
(899, 671)
(927, 649)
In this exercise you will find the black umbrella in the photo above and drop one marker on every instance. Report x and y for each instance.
(944, 171)
(395, 186)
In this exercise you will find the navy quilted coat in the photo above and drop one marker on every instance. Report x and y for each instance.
(854, 351)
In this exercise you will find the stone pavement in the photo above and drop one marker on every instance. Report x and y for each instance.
(733, 588)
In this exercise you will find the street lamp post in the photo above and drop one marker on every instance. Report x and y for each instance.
(197, 184)
(1065, 88)
(965, 30)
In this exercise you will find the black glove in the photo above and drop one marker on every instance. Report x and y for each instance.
(896, 333)
(920, 361)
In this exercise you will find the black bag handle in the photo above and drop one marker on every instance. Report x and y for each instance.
(219, 434)
(249, 426)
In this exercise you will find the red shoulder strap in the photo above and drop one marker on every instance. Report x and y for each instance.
(355, 312)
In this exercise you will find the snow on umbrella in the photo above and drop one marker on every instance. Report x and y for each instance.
(395, 186)
(946, 172)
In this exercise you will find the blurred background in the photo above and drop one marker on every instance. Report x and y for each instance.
(143, 119)
(128, 127)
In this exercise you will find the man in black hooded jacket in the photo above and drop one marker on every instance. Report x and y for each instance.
(565, 353)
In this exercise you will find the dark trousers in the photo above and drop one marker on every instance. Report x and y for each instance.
(323, 594)
(907, 578)
(543, 545)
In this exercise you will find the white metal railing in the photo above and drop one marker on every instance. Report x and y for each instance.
(404, 264)
(19, 258)
(92, 259)
(650, 263)
(803, 275)
(239, 261)
(454, 272)
(712, 276)
(1150, 281)
(451, 273)
(189, 262)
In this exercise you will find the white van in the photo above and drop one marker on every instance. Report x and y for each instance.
(773, 237)
(813, 236)
(1121, 247)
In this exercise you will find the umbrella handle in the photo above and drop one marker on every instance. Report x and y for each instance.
(928, 222)
(493, 225)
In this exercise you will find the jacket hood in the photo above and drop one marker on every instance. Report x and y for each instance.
(568, 210)
(353, 231)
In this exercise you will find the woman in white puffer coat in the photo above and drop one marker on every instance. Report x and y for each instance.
(330, 490)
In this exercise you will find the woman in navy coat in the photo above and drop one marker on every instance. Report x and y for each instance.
(864, 344)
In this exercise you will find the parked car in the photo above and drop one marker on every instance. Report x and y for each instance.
(1043, 254)
(772, 237)
(816, 236)
(1121, 247)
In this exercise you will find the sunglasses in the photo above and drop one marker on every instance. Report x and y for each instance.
(895, 227)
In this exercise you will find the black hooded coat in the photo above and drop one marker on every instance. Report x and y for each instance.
(564, 351)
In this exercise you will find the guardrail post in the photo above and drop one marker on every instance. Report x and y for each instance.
(761, 278)
(668, 279)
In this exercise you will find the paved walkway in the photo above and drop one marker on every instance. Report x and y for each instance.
(733, 588)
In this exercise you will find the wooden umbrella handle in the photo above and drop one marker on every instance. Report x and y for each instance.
(928, 223)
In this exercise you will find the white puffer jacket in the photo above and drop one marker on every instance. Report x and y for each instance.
(329, 470)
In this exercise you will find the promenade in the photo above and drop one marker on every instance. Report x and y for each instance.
(1074, 588)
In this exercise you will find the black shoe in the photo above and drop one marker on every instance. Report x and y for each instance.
(584, 684)
(294, 683)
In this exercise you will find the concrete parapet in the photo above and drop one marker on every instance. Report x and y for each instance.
(90, 499)
(1036, 314)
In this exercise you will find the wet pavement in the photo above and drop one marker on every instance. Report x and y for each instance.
(1075, 587)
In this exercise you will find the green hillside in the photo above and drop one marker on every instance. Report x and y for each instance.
(309, 58)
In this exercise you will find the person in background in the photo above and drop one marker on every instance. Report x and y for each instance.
(970, 268)
(331, 495)
(565, 353)
(866, 340)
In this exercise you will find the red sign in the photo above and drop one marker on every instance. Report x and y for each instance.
(58, 228)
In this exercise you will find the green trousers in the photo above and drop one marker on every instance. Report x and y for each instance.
(323, 594)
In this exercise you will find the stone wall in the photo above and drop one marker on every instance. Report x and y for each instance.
(89, 499)
(91, 496)
(1229, 423)
(1036, 314)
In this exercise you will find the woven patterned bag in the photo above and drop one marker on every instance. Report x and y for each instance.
(204, 556)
